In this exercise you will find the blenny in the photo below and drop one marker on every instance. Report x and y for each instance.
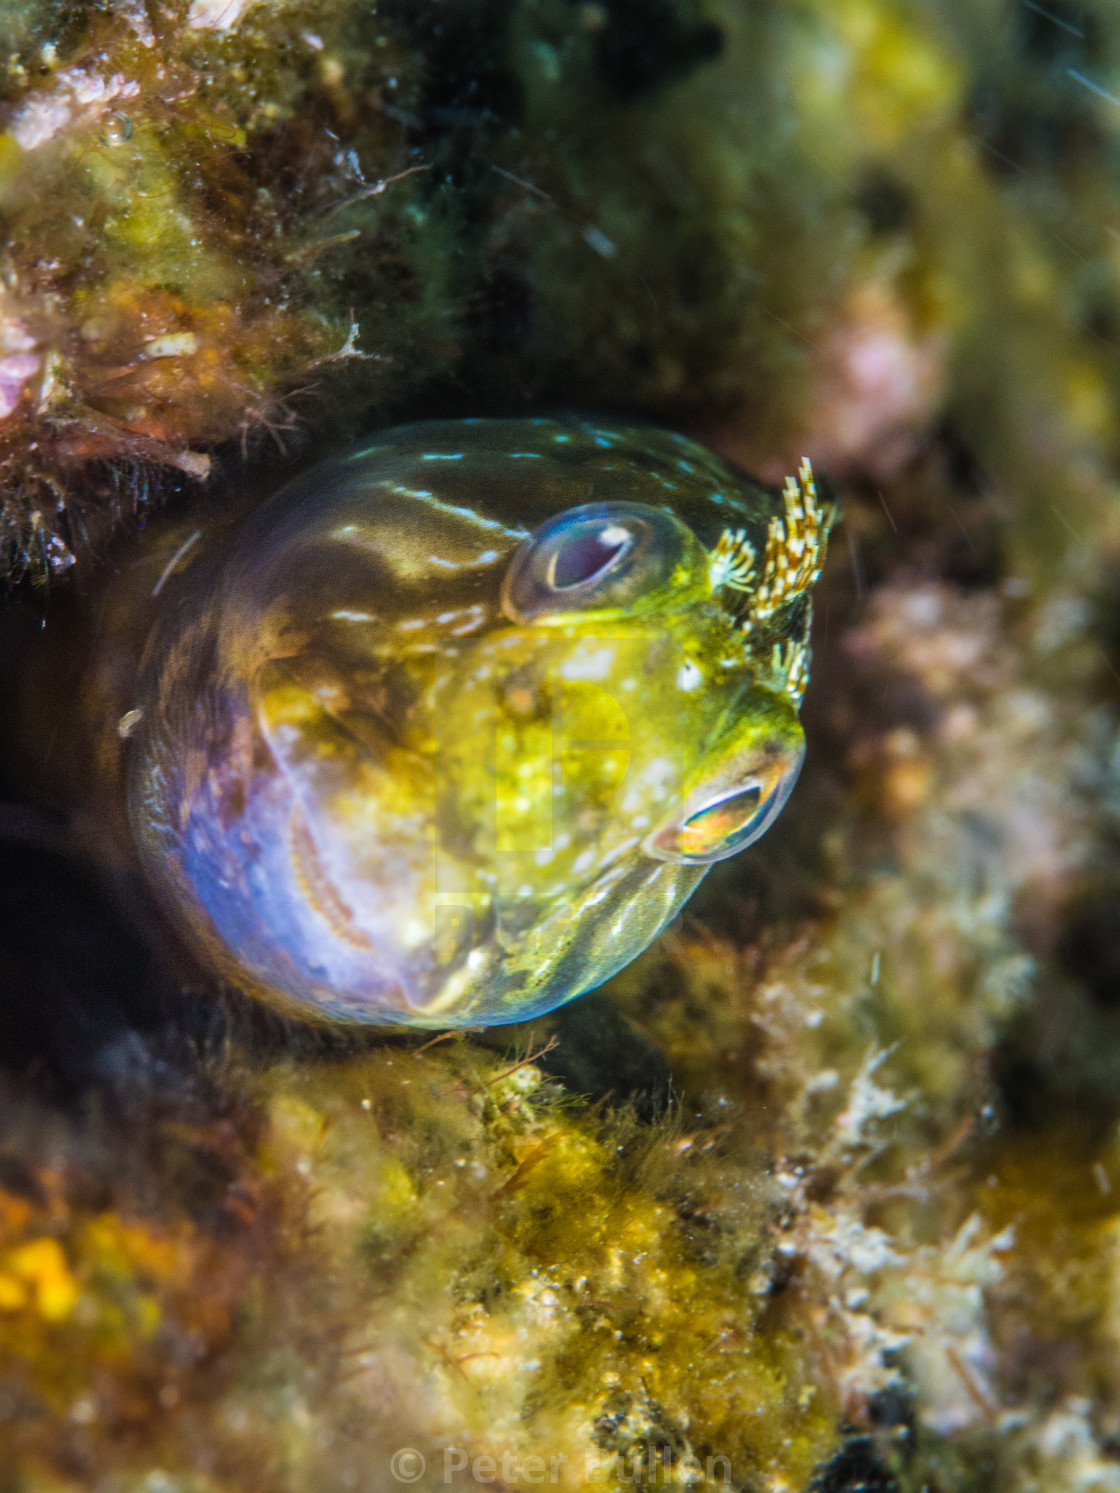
(456, 722)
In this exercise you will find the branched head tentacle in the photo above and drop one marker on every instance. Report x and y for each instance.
(732, 561)
(794, 548)
(789, 667)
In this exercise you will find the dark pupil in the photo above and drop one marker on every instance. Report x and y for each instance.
(587, 554)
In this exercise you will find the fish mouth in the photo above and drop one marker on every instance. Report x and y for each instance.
(721, 818)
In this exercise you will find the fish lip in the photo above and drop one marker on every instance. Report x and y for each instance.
(774, 776)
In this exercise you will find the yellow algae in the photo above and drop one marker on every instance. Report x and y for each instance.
(42, 1265)
(550, 1270)
(13, 1293)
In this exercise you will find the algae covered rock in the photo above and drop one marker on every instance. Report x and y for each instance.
(234, 223)
(193, 206)
(406, 1260)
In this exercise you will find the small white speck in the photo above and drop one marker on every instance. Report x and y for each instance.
(1088, 83)
(171, 345)
(168, 569)
(414, 932)
(596, 665)
(599, 241)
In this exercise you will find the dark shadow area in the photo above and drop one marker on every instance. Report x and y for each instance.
(602, 1055)
(643, 45)
(86, 999)
(856, 1468)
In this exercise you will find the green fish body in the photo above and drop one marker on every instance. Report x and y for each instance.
(457, 721)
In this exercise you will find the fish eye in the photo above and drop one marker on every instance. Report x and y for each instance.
(717, 824)
(590, 552)
(599, 557)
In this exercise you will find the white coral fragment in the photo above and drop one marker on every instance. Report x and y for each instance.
(939, 1302)
(217, 15)
(79, 96)
(15, 370)
(867, 1102)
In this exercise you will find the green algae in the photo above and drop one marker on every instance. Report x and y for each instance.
(564, 1285)
(174, 206)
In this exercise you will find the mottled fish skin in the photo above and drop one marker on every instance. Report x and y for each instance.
(455, 723)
